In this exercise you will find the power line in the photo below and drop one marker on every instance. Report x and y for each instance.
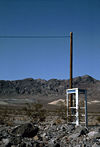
(33, 37)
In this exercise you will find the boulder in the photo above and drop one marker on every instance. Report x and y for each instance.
(74, 136)
(83, 131)
(95, 145)
(5, 141)
(93, 134)
(26, 130)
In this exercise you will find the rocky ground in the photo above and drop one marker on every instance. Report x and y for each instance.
(36, 126)
(52, 132)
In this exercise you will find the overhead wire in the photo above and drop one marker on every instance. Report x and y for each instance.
(32, 37)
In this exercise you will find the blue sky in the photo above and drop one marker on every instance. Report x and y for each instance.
(49, 58)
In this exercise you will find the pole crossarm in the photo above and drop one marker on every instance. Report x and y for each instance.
(33, 37)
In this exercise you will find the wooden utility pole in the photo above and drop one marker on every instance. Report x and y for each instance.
(71, 68)
(71, 61)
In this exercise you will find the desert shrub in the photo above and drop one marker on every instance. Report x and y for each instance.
(5, 118)
(62, 112)
(36, 112)
(58, 121)
(98, 119)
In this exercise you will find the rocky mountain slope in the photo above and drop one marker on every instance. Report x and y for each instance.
(53, 87)
(33, 87)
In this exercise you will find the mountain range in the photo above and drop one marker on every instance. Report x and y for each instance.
(52, 88)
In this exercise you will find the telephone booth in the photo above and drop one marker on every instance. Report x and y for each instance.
(76, 106)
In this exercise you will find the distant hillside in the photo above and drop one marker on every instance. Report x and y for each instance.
(38, 87)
